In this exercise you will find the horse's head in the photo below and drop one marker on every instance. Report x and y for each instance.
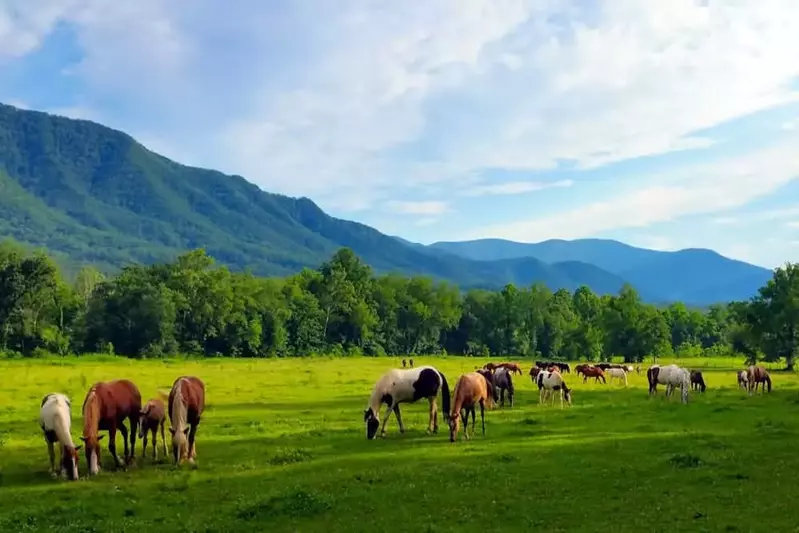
(567, 394)
(454, 426)
(143, 420)
(372, 423)
(180, 445)
(69, 462)
(91, 447)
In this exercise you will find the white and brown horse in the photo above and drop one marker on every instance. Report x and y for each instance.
(55, 419)
(672, 376)
(186, 406)
(758, 374)
(405, 386)
(550, 382)
(743, 379)
(474, 388)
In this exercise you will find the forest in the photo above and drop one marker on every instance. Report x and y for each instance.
(194, 307)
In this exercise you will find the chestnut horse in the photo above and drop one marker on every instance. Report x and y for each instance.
(511, 367)
(471, 389)
(106, 406)
(153, 417)
(758, 374)
(186, 406)
(594, 372)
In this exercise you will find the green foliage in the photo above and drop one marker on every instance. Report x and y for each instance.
(194, 306)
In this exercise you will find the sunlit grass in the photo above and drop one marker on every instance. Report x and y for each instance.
(282, 447)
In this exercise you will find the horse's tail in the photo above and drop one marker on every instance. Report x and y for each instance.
(445, 399)
(768, 382)
(510, 384)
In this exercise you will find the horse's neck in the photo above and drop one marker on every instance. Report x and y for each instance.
(457, 405)
(179, 410)
(61, 426)
(91, 414)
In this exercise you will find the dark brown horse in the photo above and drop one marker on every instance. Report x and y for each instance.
(534, 373)
(593, 372)
(758, 374)
(106, 407)
(697, 381)
(490, 367)
(186, 406)
(153, 418)
(580, 368)
(512, 367)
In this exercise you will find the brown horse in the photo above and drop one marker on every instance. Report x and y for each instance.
(186, 406)
(534, 373)
(758, 374)
(580, 369)
(153, 417)
(471, 389)
(106, 406)
(512, 367)
(490, 367)
(593, 372)
(697, 381)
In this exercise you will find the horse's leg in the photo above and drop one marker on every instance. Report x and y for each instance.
(399, 418)
(163, 438)
(385, 421)
(155, 444)
(433, 424)
(124, 430)
(502, 397)
(134, 426)
(561, 398)
(465, 419)
(482, 417)
(144, 444)
(192, 449)
(51, 453)
(112, 443)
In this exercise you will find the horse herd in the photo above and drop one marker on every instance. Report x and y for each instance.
(106, 407)
(487, 386)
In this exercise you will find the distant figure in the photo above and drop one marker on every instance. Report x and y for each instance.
(411, 362)
(404, 363)
(638, 369)
(511, 367)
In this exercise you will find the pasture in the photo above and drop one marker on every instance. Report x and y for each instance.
(282, 447)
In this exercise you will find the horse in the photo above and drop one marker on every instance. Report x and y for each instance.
(186, 406)
(471, 389)
(552, 381)
(153, 417)
(404, 363)
(638, 369)
(580, 368)
(743, 379)
(512, 367)
(490, 367)
(617, 373)
(406, 386)
(503, 381)
(670, 375)
(697, 381)
(106, 406)
(410, 361)
(594, 372)
(758, 374)
(55, 419)
(534, 372)
(603, 366)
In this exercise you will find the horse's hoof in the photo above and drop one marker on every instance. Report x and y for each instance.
(54, 475)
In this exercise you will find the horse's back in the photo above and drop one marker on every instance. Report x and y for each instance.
(118, 398)
(192, 390)
(54, 405)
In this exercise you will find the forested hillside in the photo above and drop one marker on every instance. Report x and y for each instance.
(93, 195)
(195, 306)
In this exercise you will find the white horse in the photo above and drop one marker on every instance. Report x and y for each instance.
(618, 373)
(672, 376)
(406, 386)
(743, 379)
(55, 419)
(549, 382)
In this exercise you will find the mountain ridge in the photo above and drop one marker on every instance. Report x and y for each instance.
(96, 195)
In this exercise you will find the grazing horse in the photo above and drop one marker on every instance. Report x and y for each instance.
(548, 382)
(55, 419)
(404, 363)
(490, 367)
(406, 386)
(617, 373)
(603, 366)
(534, 372)
(512, 367)
(670, 375)
(594, 372)
(153, 417)
(410, 361)
(580, 368)
(758, 374)
(186, 406)
(504, 382)
(743, 379)
(697, 381)
(471, 389)
(106, 406)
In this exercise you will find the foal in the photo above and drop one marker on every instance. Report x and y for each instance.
(471, 389)
(153, 416)
(54, 419)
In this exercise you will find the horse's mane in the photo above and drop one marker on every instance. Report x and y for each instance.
(91, 413)
(177, 411)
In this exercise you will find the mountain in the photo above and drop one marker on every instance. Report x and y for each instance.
(693, 275)
(91, 194)
(95, 195)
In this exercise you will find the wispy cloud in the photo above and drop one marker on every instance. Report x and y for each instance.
(418, 208)
(513, 187)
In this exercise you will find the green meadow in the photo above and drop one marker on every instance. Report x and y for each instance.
(282, 447)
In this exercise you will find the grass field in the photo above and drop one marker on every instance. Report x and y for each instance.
(282, 447)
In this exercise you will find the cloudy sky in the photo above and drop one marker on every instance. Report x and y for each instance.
(665, 124)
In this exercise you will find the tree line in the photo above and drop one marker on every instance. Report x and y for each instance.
(194, 306)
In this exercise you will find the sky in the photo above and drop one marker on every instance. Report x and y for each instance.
(662, 124)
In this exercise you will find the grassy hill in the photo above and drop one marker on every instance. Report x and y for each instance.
(94, 195)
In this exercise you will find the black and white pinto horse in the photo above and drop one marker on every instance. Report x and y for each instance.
(549, 383)
(504, 382)
(406, 386)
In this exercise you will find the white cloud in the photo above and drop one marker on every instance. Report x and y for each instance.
(513, 187)
(418, 208)
(703, 189)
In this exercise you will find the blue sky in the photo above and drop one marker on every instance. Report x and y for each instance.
(660, 124)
